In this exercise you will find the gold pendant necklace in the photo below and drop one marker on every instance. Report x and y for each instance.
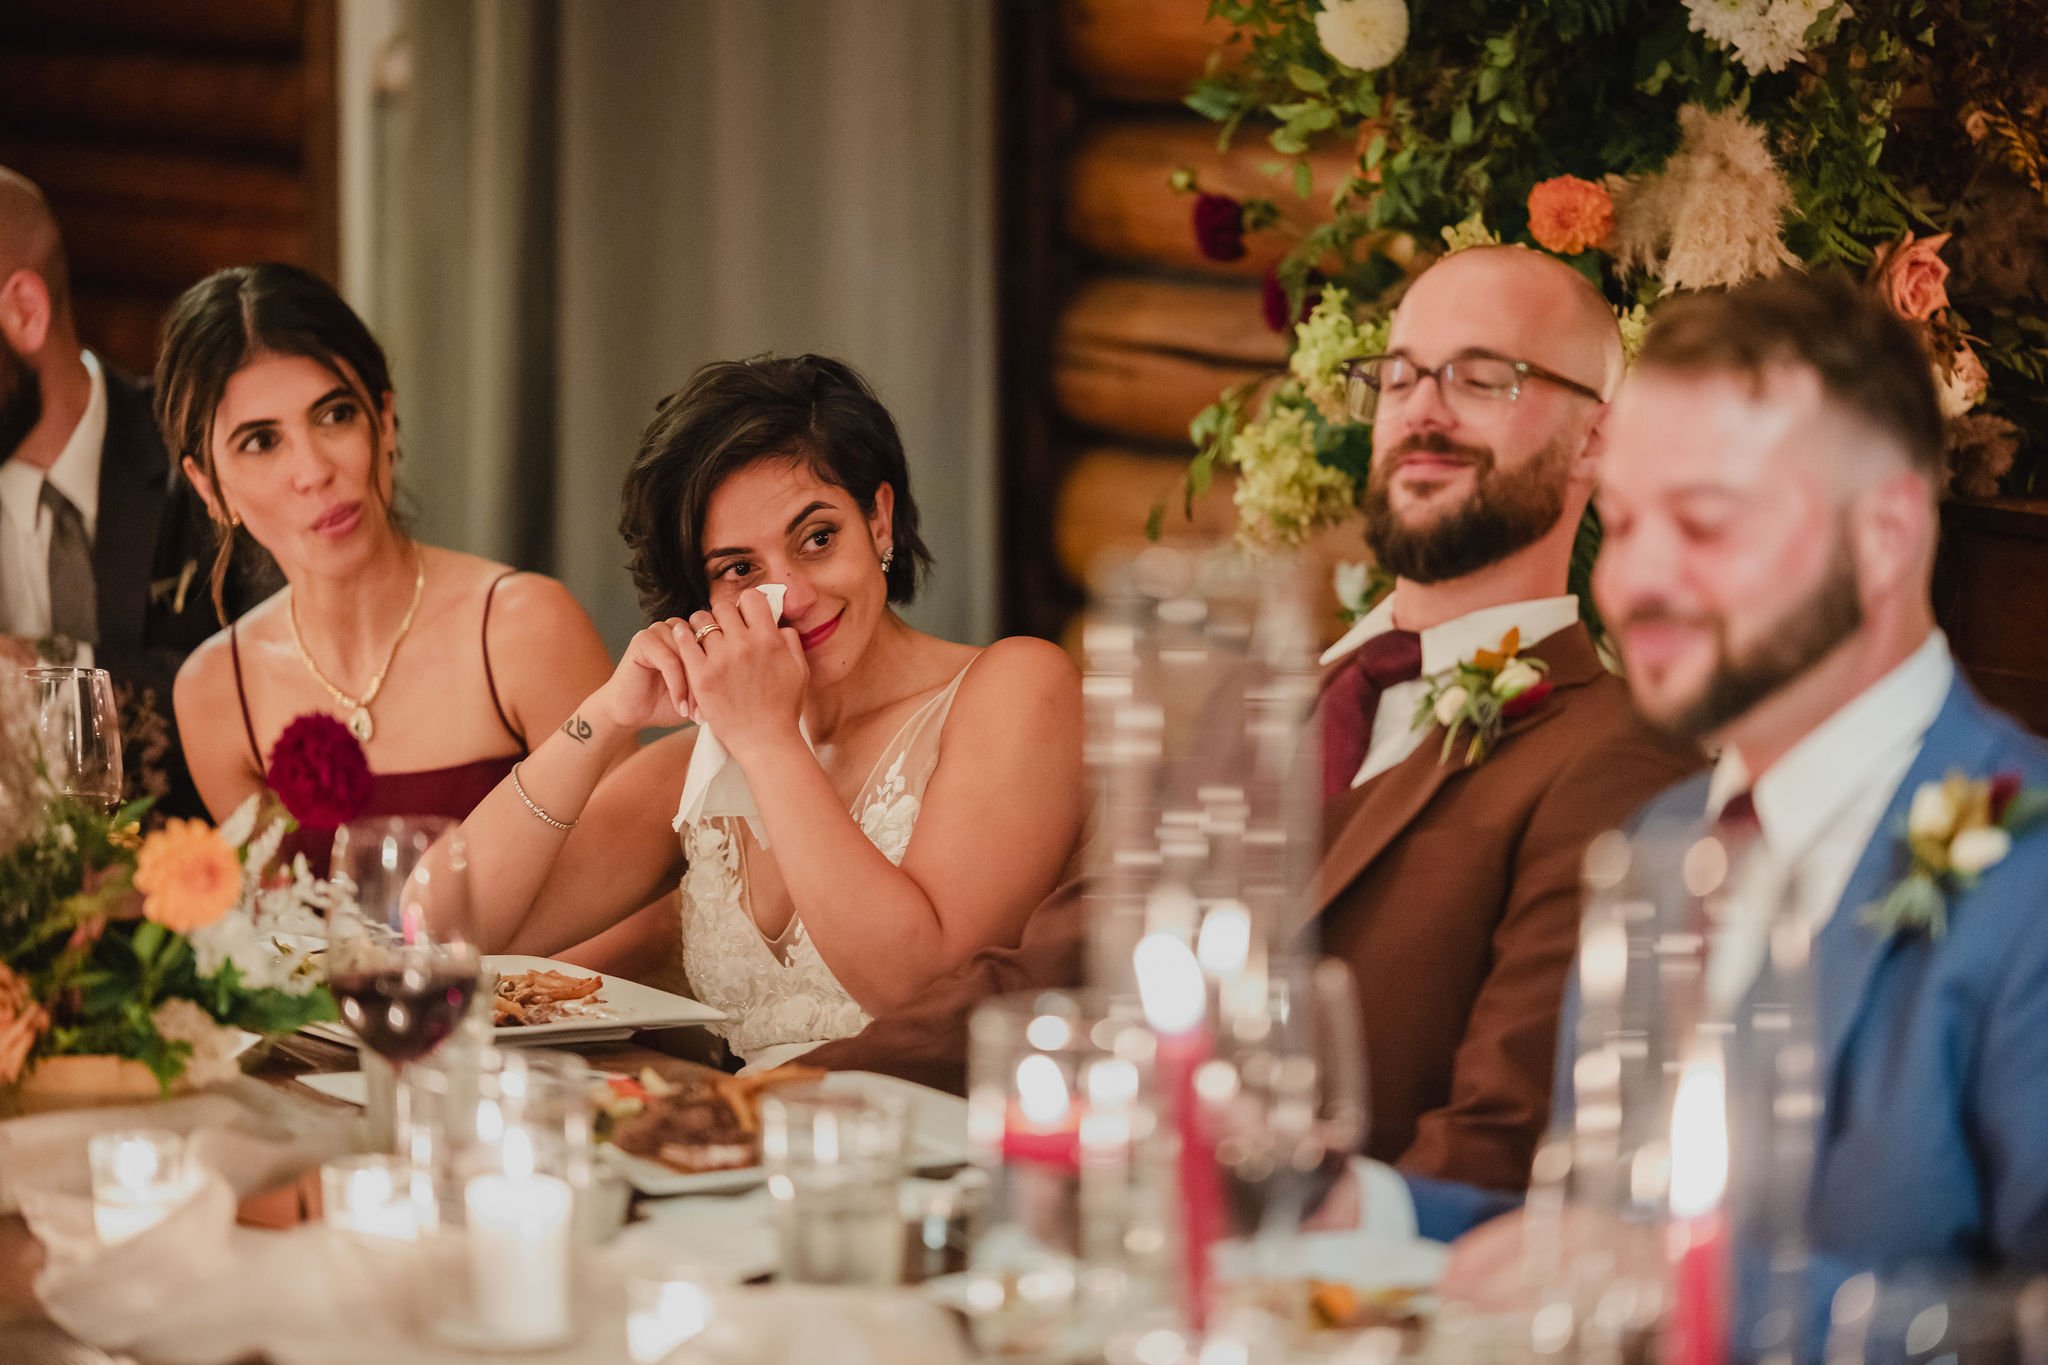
(359, 723)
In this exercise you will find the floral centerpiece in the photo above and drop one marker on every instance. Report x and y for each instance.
(1657, 146)
(159, 949)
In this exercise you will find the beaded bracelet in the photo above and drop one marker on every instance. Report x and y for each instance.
(563, 825)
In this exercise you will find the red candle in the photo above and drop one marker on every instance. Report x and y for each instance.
(1040, 1125)
(1175, 997)
(1699, 1320)
(1698, 1329)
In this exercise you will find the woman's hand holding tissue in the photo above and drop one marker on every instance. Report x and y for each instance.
(649, 687)
(746, 677)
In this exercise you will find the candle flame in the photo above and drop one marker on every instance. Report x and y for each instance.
(1170, 983)
(1042, 1091)
(1225, 943)
(1699, 1137)
(135, 1164)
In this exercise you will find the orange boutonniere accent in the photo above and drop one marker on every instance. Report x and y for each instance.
(1495, 687)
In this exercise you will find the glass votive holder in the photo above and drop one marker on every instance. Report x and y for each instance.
(835, 1161)
(376, 1196)
(139, 1178)
(456, 1112)
(519, 1235)
(670, 1302)
(1058, 1106)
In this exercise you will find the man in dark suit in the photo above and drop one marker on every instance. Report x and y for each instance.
(103, 555)
(1452, 889)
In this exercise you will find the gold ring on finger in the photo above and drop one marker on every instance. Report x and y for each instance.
(702, 631)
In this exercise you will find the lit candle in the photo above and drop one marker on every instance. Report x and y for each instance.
(519, 1248)
(661, 1315)
(1040, 1126)
(138, 1179)
(1175, 997)
(1699, 1228)
(371, 1195)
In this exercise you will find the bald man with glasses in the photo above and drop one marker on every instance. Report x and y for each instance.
(1451, 888)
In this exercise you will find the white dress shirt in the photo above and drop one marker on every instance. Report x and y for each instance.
(25, 524)
(1818, 808)
(1394, 732)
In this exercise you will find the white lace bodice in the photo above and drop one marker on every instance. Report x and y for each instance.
(781, 995)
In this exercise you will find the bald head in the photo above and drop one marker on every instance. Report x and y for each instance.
(1518, 303)
(28, 236)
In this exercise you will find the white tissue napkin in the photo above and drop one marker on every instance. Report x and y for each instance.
(714, 785)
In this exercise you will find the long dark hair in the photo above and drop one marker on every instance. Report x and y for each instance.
(731, 414)
(230, 318)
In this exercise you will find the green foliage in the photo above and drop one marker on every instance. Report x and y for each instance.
(1898, 111)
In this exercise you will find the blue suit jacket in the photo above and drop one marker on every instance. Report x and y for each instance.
(1934, 1053)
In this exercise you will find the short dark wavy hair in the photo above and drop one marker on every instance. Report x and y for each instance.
(734, 413)
(1868, 361)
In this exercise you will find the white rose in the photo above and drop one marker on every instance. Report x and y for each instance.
(1518, 677)
(1363, 34)
(1449, 703)
(1932, 815)
(1974, 850)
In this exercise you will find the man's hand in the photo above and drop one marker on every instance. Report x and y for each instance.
(1507, 1264)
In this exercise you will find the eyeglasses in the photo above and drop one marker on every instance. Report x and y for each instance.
(1468, 383)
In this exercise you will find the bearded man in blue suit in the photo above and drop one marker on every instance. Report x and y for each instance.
(1770, 499)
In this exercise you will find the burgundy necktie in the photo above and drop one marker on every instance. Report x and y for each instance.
(1352, 698)
(1737, 823)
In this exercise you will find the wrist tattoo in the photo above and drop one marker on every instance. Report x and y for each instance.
(577, 729)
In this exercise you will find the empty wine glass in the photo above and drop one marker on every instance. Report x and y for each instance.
(79, 732)
(402, 957)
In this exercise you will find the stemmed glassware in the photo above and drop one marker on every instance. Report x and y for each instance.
(79, 730)
(402, 957)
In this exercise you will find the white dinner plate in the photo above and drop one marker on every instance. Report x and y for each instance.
(938, 1138)
(626, 1006)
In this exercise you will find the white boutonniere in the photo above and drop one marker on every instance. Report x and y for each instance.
(1483, 694)
(1957, 829)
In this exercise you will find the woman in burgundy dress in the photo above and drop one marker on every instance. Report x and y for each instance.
(447, 667)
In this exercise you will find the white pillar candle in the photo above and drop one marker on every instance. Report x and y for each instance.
(519, 1249)
(138, 1179)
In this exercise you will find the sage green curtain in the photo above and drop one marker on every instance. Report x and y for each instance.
(579, 203)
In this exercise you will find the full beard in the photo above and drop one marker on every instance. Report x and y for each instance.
(21, 400)
(1507, 511)
(1790, 648)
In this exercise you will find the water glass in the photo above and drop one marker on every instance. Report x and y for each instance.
(835, 1162)
(79, 732)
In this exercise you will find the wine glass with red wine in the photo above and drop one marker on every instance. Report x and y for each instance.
(402, 957)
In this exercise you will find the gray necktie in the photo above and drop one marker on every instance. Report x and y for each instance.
(74, 609)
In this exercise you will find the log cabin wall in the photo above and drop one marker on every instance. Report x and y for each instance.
(1116, 330)
(173, 137)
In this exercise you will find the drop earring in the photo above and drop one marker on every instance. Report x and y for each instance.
(888, 558)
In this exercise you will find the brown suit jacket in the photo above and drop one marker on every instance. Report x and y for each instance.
(1453, 893)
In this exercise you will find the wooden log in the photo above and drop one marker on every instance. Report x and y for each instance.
(1222, 321)
(1109, 491)
(153, 181)
(1120, 204)
(239, 25)
(1142, 51)
(133, 251)
(1139, 394)
(251, 104)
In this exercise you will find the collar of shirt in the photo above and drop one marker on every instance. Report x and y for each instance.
(76, 472)
(1862, 749)
(1456, 640)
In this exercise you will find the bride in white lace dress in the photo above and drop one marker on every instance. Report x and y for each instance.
(914, 798)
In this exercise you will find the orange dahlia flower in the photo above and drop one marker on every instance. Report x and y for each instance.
(1569, 215)
(187, 875)
(22, 1021)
